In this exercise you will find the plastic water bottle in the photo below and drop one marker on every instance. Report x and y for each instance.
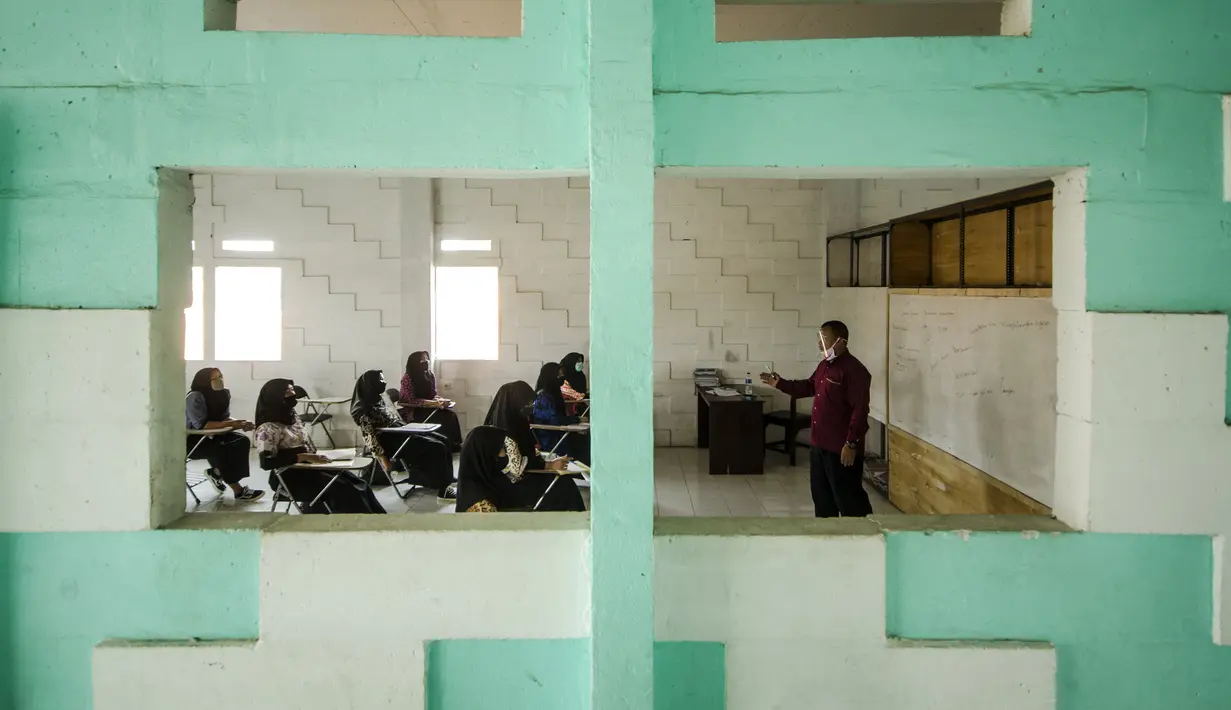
(748, 386)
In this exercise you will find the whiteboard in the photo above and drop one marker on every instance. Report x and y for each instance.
(976, 377)
(865, 311)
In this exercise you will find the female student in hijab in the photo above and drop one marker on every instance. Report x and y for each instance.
(549, 409)
(418, 392)
(492, 477)
(281, 441)
(510, 411)
(208, 406)
(426, 456)
(575, 387)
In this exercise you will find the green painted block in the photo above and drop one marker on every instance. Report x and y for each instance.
(1130, 615)
(508, 674)
(690, 675)
(549, 674)
(64, 593)
(1063, 588)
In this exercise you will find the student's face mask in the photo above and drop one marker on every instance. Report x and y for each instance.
(579, 366)
(216, 385)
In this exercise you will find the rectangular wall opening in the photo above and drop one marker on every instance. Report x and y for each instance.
(416, 18)
(762, 20)
(339, 273)
(943, 287)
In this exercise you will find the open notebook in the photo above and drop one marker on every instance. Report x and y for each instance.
(338, 454)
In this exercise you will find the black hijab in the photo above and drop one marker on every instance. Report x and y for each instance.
(574, 377)
(508, 412)
(480, 472)
(422, 381)
(366, 397)
(549, 383)
(272, 404)
(217, 402)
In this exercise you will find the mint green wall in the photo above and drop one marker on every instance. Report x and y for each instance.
(94, 96)
(551, 674)
(1130, 615)
(1130, 88)
(60, 594)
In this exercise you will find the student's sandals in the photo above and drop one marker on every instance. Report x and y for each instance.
(450, 494)
(248, 495)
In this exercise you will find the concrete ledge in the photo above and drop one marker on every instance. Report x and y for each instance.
(855, 527)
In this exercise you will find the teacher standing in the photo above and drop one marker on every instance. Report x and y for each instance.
(840, 391)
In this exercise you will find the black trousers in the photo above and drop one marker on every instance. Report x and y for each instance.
(837, 489)
(426, 458)
(450, 426)
(564, 496)
(226, 453)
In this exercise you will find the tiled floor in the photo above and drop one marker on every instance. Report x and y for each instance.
(681, 488)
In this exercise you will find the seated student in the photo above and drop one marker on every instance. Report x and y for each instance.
(419, 394)
(549, 409)
(492, 477)
(575, 386)
(427, 454)
(281, 441)
(208, 406)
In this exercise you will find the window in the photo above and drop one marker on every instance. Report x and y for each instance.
(465, 245)
(194, 318)
(467, 317)
(247, 313)
(428, 18)
(758, 20)
(247, 245)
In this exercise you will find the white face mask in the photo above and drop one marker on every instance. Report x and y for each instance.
(216, 385)
(828, 353)
(579, 366)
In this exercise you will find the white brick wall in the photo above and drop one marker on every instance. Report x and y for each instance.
(883, 200)
(540, 233)
(739, 271)
(337, 240)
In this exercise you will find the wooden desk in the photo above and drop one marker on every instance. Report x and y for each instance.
(738, 434)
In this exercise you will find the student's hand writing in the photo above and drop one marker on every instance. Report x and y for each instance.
(770, 378)
(559, 464)
(312, 458)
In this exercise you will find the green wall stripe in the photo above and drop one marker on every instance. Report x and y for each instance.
(65, 592)
(1130, 615)
(553, 674)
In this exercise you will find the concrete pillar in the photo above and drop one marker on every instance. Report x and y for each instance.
(621, 318)
(418, 254)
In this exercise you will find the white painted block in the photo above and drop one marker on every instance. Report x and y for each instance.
(780, 675)
(1069, 242)
(55, 365)
(742, 588)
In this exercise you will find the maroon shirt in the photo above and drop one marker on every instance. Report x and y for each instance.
(840, 405)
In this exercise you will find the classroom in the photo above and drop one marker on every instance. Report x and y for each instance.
(903, 328)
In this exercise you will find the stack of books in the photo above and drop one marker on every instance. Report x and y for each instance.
(706, 377)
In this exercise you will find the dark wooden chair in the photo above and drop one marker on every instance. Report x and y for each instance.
(792, 423)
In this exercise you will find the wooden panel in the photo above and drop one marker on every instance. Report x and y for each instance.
(1032, 245)
(946, 239)
(869, 261)
(838, 262)
(923, 480)
(908, 254)
(987, 249)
